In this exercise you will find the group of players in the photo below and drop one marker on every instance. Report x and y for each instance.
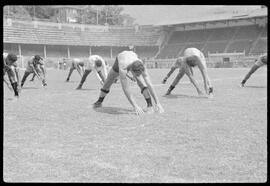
(126, 62)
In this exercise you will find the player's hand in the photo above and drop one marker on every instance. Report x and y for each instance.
(138, 110)
(200, 93)
(164, 80)
(158, 108)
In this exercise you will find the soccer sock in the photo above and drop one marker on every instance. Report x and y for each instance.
(100, 99)
(171, 88)
(149, 102)
(210, 90)
(15, 88)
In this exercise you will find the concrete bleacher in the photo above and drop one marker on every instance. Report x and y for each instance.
(217, 40)
(99, 38)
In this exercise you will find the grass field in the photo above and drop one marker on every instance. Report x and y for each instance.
(53, 134)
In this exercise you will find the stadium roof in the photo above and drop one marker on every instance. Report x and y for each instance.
(215, 17)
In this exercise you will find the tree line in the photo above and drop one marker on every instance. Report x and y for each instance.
(84, 14)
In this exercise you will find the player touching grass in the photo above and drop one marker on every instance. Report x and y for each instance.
(35, 65)
(97, 64)
(12, 70)
(77, 64)
(260, 61)
(128, 61)
(192, 58)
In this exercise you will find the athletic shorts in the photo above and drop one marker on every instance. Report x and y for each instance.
(191, 61)
(261, 61)
(115, 66)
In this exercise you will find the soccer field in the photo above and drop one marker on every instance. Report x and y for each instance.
(52, 134)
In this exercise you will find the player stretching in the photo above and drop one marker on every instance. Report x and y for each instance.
(77, 64)
(128, 61)
(10, 67)
(192, 57)
(262, 60)
(35, 65)
(95, 63)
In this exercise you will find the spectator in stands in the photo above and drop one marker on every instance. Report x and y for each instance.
(10, 67)
(128, 61)
(95, 63)
(77, 64)
(262, 60)
(192, 57)
(35, 65)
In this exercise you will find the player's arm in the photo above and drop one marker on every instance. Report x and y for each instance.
(169, 74)
(104, 66)
(131, 78)
(17, 72)
(152, 92)
(192, 80)
(43, 70)
(100, 76)
(34, 70)
(204, 75)
(126, 89)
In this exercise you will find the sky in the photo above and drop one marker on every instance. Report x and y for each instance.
(153, 14)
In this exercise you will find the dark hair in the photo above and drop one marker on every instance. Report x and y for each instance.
(12, 57)
(37, 57)
(98, 63)
(137, 66)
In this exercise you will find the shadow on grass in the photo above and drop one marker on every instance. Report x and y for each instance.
(85, 89)
(30, 88)
(175, 96)
(251, 86)
(113, 110)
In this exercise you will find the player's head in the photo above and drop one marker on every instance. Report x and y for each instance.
(37, 58)
(98, 63)
(11, 57)
(137, 67)
(179, 62)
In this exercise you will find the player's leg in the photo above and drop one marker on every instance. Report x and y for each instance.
(85, 74)
(13, 80)
(145, 93)
(70, 72)
(25, 75)
(33, 77)
(207, 82)
(251, 71)
(113, 74)
(175, 81)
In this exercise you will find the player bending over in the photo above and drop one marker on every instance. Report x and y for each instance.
(77, 64)
(10, 67)
(262, 60)
(97, 64)
(128, 61)
(35, 65)
(192, 57)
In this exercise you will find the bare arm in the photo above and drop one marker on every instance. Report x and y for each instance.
(204, 75)
(169, 74)
(17, 72)
(126, 89)
(193, 81)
